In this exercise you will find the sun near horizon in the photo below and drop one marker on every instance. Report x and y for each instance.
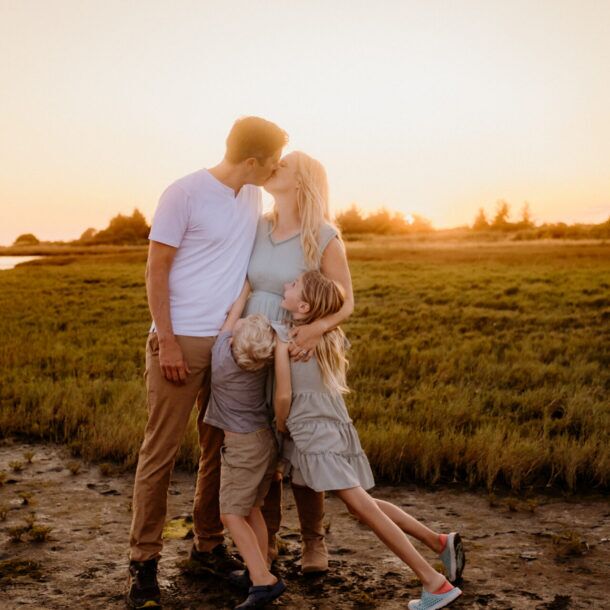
(424, 108)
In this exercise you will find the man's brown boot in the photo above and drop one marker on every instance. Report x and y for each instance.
(310, 508)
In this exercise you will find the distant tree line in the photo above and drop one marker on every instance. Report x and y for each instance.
(525, 227)
(500, 220)
(27, 239)
(381, 222)
(134, 230)
(122, 230)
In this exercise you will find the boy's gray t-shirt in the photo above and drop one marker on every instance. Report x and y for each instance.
(238, 398)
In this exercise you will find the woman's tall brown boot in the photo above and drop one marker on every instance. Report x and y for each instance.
(310, 507)
(272, 514)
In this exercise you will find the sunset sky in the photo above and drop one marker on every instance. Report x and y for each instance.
(433, 107)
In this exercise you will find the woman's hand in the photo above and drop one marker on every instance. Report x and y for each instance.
(304, 340)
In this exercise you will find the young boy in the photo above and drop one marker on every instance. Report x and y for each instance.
(240, 360)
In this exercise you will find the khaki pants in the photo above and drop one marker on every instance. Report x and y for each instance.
(248, 463)
(169, 408)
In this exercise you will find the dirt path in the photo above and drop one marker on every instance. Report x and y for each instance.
(545, 553)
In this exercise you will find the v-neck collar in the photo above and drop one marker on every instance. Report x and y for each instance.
(282, 241)
(227, 189)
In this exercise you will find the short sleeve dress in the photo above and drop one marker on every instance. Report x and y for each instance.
(273, 264)
(325, 451)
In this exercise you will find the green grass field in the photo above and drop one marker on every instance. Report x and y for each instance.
(482, 363)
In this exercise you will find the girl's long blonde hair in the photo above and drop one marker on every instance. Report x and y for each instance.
(312, 205)
(326, 297)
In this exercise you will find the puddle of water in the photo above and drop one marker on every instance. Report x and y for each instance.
(10, 262)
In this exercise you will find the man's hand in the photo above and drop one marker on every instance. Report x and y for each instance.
(280, 424)
(304, 340)
(171, 360)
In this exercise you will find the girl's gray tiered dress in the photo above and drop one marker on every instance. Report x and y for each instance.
(328, 454)
(325, 451)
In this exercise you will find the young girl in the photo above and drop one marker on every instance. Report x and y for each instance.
(325, 450)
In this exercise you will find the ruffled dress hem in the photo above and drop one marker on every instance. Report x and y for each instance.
(326, 450)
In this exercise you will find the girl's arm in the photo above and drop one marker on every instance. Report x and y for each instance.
(237, 308)
(334, 266)
(282, 396)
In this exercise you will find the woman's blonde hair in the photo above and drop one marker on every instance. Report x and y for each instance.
(326, 297)
(253, 343)
(312, 205)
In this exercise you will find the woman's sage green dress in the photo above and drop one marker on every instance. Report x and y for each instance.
(273, 264)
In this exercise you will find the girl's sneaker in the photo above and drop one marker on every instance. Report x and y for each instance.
(453, 557)
(433, 601)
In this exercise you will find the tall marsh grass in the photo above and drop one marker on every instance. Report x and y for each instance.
(488, 365)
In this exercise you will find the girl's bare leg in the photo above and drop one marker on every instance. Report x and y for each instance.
(368, 512)
(411, 526)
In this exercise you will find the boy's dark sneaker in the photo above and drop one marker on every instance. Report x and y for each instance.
(219, 561)
(262, 595)
(143, 586)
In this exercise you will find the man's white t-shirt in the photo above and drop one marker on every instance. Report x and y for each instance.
(214, 233)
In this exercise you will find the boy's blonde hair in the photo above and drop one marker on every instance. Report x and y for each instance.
(253, 343)
(326, 297)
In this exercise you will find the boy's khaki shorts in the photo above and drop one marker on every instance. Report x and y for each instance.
(248, 463)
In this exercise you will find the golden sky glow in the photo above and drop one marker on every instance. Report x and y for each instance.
(425, 106)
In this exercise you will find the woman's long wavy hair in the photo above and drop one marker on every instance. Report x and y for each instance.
(312, 205)
(326, 297)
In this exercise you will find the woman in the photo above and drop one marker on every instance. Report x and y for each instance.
(295, 237)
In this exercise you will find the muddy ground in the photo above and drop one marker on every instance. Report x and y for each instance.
(545, 552)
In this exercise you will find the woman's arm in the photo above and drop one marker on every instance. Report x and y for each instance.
(334, 266)
(237, 308)
(282, 396)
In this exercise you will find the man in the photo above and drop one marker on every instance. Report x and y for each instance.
(200, 243)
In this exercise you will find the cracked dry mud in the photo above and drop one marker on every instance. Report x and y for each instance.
(549, 552)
